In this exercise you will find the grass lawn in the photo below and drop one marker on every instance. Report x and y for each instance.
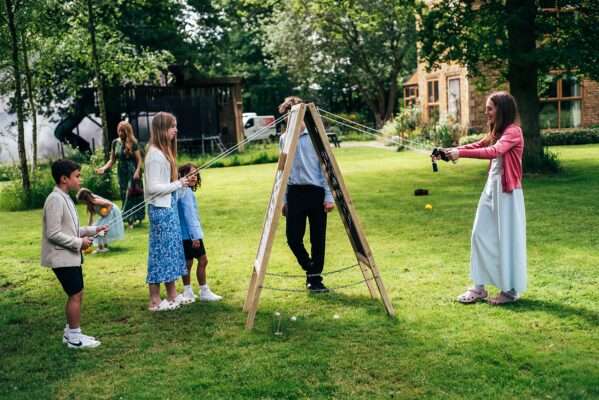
(546, 346)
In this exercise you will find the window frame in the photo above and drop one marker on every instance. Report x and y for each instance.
(434, 104)
(410, 100)
(559, 98)
(458, 117)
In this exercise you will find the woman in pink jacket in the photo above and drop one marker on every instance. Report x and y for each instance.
(498, 255)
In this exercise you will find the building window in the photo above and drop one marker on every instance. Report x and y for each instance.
(410, 95)
(561, 103)
(556, 13)
(432, 96)
(454, 99)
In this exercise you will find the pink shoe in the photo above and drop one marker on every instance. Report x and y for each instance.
(472, 295)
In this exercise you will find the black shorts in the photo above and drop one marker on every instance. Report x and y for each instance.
(190, 252)
(71, 279)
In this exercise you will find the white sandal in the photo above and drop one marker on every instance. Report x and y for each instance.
(472, 295)
(164, 305)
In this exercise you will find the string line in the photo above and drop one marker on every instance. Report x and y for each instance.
(311, 275)
(207, 164)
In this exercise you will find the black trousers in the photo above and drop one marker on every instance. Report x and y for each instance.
(306, 202)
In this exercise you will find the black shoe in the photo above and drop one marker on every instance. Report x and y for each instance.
(317, 287)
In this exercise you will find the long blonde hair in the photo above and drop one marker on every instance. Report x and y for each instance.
(161, 123)
(126, 128)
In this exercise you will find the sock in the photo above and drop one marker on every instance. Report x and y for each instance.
(73, 332)
(186, 288)
(204, 287)
(479, 287)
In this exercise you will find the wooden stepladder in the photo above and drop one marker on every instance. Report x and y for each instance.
(308, 113)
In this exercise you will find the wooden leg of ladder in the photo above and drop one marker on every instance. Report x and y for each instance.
(253, 306)
(383, 292)
(251, 291)
(368, 279)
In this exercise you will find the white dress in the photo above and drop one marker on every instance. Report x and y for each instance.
(499, 236)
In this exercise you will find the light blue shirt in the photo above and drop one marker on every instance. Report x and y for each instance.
(306, 168)
(189, 216)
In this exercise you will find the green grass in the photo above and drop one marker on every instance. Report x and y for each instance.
(543, 347)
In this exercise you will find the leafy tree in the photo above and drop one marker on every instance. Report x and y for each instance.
(87, 48)
(10, 13)
(518, 39)
(231, 42)
(368, 44)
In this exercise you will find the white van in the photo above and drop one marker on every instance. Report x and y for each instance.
(255, 126)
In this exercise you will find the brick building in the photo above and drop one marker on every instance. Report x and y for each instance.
(448, 94)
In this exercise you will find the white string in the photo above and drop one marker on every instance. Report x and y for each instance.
(417, 149)
(207, 164)
(375, 133)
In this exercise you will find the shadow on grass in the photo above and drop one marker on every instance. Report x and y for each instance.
(557, 309)
(343, 299)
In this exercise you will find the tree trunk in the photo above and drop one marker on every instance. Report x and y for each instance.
(14, 44)
(99, 81)
(30, 94)
(522, 76)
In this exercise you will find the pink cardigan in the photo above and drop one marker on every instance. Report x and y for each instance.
(511, 147)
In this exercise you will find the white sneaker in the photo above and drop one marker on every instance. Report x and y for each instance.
(207, 295)
(65, 335)
(80, 341)
(103, 250)
(183, 299)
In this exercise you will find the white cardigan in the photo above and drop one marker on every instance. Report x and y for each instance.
(157, 179)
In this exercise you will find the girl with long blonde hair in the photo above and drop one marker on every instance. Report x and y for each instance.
(166, 262)
(126, 150)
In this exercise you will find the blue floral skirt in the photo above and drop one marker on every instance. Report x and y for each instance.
(166, 262)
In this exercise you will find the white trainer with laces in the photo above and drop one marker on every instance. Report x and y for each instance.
(80, 341)
(207, 295)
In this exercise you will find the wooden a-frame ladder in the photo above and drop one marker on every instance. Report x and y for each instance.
(308, 113)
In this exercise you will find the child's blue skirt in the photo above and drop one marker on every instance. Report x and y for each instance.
(115, 220)
(166, 262)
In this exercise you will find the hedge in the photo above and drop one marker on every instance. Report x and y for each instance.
(554, 137)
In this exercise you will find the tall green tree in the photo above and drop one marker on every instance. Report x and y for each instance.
(231, 42)
(521, 41)
(369, 44)
(83, 45)
(10, 15)
(98, 76)
(29, 88)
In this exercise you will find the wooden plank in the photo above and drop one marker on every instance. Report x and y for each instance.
(345, 206)
(251, 290)
(309, 114)
(342, 198)
(274, 209)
